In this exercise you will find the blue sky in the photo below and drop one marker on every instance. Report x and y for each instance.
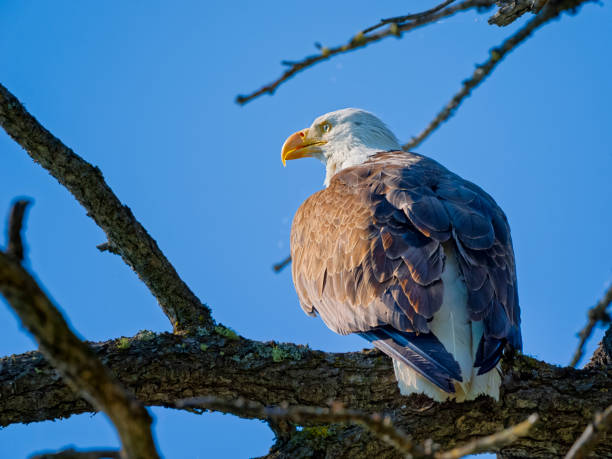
(145, 91)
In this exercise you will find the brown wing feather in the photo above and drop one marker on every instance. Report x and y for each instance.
(367, 251)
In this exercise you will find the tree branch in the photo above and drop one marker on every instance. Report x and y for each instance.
(596, 314)
(69, 355)
(124, 232)
(162, 369)
(592, 435)
(364, 38)
(552, 9)
(407, 17)
(510, 10)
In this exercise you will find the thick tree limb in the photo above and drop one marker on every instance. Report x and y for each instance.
(552, 9)
(593, 434)
(74, 454)
(596, 314)
(77, 364)
(124, 232)
(162, 369)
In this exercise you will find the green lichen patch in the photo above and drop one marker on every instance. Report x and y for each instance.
(124, 343)
(314, 436)
(226, 332)
(145, 335)
(283, 351)
(317, 431)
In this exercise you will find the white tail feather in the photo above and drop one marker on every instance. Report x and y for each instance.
(460, 336)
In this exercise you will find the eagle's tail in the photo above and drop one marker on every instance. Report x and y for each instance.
(444, 363)
(421, 353)
(423, 366)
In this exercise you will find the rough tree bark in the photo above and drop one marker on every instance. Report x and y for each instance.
(161, 369)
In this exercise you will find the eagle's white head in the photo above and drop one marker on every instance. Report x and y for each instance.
(340, 139)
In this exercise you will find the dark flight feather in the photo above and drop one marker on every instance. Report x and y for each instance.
(422, 352)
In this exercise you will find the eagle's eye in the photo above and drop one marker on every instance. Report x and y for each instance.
(325, 127)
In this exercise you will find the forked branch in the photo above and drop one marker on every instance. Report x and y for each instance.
(125, 234)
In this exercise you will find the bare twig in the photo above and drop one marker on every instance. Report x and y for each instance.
(72, 358)
(491, 442)
(592, 435)
(74, 454)
(14, 246)
(376, 423)
(407, 17)
(278, 267)
(138, 249)
(394, 29)
(552, 9)
(596, 314)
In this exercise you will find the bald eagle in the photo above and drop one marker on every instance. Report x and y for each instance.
(407, 254)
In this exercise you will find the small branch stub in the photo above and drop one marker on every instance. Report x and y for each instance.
(278, 267)
(14, 247)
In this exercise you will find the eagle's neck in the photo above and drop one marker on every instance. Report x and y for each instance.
(343, 159)
(354, 152)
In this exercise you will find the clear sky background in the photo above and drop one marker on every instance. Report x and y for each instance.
(145, 90)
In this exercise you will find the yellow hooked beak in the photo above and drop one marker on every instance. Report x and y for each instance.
(300, 145)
